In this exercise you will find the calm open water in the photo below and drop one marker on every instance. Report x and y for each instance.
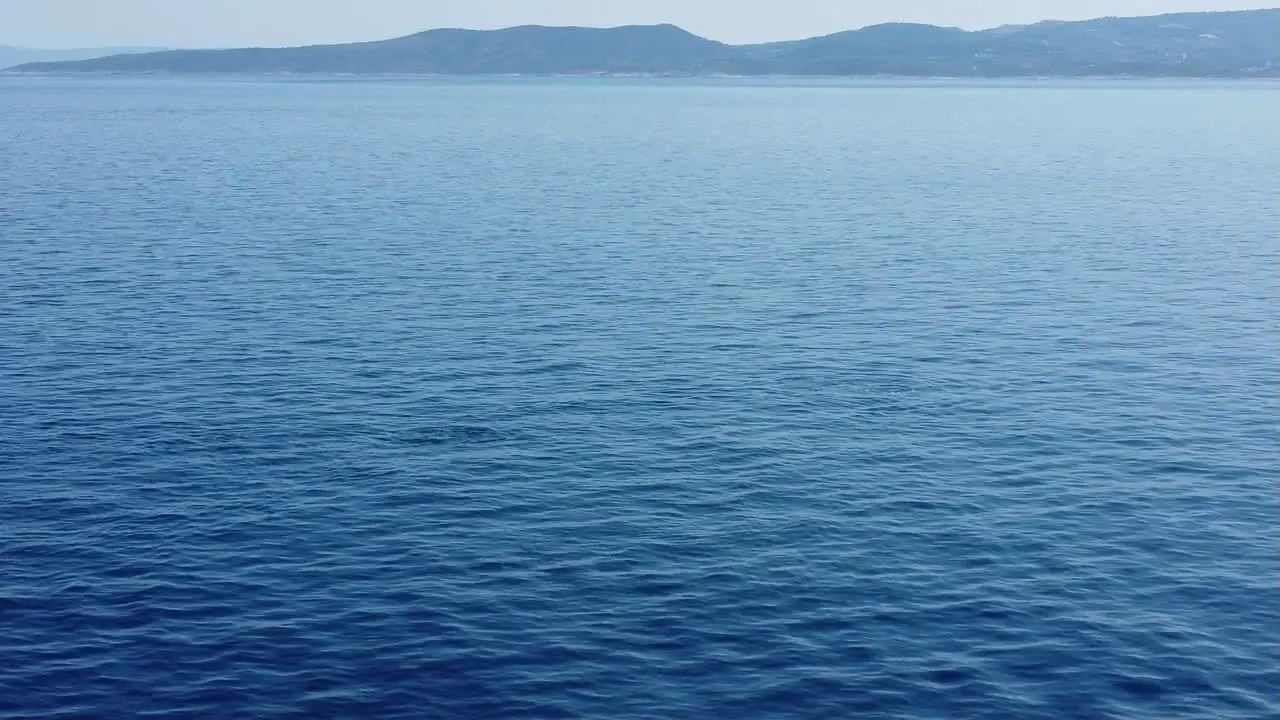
(638, 398)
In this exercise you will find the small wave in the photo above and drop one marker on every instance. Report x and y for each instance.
(450, 435)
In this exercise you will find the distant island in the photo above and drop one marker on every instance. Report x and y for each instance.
(10, 55)
(1240, 44)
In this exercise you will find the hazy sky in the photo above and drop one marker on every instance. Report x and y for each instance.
(212, 23)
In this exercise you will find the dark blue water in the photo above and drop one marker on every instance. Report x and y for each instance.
(628, 398)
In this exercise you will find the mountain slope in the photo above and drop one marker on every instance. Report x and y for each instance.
(527, 49)
(1222, 44)
(15, 55)
(1228, 43)
(1243, 43)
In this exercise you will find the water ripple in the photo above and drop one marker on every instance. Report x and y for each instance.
(637, 399)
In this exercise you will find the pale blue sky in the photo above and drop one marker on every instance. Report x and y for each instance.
(208, 23)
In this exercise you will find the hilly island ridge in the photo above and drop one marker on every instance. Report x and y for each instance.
(1209, 44)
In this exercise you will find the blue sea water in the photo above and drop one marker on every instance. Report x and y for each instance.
(638, 398)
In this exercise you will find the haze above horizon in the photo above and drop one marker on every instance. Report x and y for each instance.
(239, 23)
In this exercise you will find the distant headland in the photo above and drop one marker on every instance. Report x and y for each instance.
(1239, 44)
(10, 56)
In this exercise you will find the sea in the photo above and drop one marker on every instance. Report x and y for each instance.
(340, 397)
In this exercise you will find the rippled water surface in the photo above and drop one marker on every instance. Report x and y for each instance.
(638, 398)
